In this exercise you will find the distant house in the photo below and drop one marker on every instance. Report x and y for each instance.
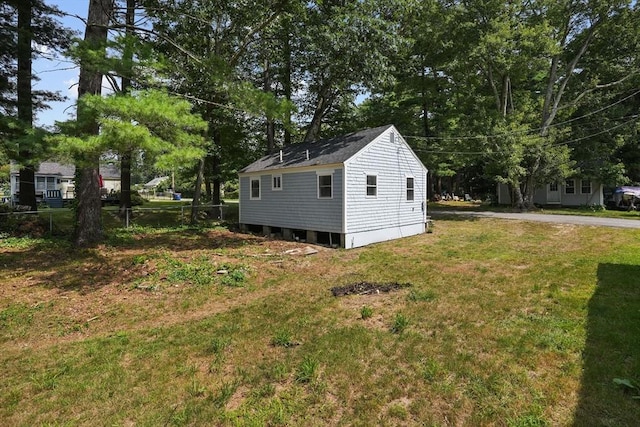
(571, 192)
(352, 190)
(56, 176)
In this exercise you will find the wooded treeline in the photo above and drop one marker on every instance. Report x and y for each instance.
(485, 91)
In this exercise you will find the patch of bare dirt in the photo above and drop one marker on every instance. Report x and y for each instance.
(366, 288)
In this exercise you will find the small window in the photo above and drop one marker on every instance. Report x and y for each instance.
(570, 186)
(372, 185)
(553, 186)
(585, 188)
(410, 189)
(255, 188)
(276, 182)
(325, 187)
(40, 183)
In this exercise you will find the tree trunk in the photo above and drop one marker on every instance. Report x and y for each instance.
(88, 222)
(269, 125)
(125, 157)
(322, 105)
(196, 194)
(25, 103)
(286, 83)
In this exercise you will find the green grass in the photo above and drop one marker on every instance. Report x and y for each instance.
(506, 323)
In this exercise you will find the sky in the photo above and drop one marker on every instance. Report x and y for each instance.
(60, 75)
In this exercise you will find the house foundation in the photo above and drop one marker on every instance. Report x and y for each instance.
(310, 236)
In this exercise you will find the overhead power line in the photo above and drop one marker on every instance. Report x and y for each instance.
(530, 132)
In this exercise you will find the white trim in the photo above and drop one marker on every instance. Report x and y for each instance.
(406, 188)
(317, 168)
(318, 175)
(590, 186)
(273, 182)
(345, 205)
(366, 185)
(574, 186)
(259, 179)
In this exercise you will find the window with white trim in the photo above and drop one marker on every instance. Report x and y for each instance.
(276, 182)
(553, 186)
(570, 186)
(255, 189)
(41, 183)
(410, 188)
(325, 186)
(585, 186)
(372, 186)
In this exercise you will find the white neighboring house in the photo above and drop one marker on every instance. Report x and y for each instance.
(56, 176)
(352, 190)
(571, 192)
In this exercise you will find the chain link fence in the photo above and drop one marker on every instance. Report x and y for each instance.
(60, 222)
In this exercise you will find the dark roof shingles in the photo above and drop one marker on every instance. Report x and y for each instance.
(321, 152)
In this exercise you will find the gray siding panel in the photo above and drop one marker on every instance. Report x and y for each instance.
(295, 206)
(392, 162)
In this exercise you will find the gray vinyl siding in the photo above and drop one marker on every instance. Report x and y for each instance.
(296, 206)
(392, 163)
(566, 199)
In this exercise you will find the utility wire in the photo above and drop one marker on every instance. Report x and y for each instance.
(532, 132)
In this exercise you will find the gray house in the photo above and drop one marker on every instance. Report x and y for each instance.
(56, 176)
(352, 190)
(570, 192)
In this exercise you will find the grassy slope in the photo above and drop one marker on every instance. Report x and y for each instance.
(509, 323)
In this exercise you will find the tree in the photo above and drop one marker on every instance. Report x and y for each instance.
(88, 224)
(35, 24)
(207, 50)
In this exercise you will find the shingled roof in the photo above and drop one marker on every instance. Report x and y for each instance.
(321, 152)
(107, 170)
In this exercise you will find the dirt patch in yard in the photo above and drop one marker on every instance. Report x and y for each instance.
(366, 288)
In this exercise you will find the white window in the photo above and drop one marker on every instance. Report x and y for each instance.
(372, 185)
(410, 188)
(255, 189)
(325, 186)
(570, 186)
(40, 183)
(51, 183)
(276, 182)
(553, 186)
(585, 187)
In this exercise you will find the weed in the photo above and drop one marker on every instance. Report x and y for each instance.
(366, 312)
(48, 380)
(218, 345)
(416, 295)
(265, 390)
(307, 370)
(282, 338)
(224, 394)
(430, 369)
(235, 277)
(195, 389)
(400, 323)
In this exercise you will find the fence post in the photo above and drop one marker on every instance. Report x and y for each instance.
(182, 216)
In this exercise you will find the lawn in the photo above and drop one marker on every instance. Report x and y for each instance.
(504, 323)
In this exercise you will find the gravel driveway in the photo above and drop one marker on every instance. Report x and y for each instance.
(556, 219)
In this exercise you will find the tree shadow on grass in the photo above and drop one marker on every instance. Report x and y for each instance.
(612, 349)
(184, 239)
(56, 264)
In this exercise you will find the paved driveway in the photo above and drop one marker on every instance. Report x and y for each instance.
(556, 219)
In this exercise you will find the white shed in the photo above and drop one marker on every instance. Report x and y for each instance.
(352, 190)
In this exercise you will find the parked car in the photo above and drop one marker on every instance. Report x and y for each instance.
(625, 198)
